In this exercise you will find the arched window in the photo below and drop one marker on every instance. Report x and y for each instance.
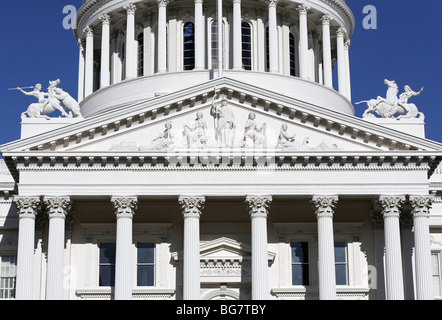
(189, 46)
(214, 43)
(140, 40)
(292, 55)
(246, 34)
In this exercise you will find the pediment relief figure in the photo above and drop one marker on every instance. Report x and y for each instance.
(195, 134)
(164, 141)
(224, 122)
(254, 133)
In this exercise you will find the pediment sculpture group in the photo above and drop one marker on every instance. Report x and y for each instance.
(55, 98)
(254, 134)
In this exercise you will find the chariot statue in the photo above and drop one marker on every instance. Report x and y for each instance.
(55, 96)
(391, 105)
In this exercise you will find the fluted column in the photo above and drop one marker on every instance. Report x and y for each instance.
(199, 35)
(81, 63)
(58, 208)
(237, 36)
(303, 42)
(89, 62)
(162, 35)
(324, 209)
(105, 51)
(326, 48)
(124, 210)
(27, 211)
(391, 206)
(342, 72)
(191, 208)
(421, 213)
(273, 37)
(130, 41)
(259, 208)
(347, 68)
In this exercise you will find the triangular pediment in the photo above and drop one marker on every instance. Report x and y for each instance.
(282, 123)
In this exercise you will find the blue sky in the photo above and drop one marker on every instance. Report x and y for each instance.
(406, 47)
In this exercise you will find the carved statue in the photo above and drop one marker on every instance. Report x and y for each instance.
(46, 106)
(224, 123)
(285, 139)
(164, 141)
(254, 133)
(195, 134)
(391, 105)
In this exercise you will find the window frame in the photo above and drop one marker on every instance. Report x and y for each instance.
(309, 263)
(226, 56)
(155, 262)
(439, 257)
(251, 49)
(345, 263)
(183, 60)
(112, 283)
(2, 289)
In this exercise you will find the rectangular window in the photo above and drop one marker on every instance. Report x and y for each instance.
(145, 264)
(341, 263)
(107, 264)
(435, 261)
(8, 275)
(300, 263)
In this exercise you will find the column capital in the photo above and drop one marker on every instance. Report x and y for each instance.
(199, 1)
(236, 1)
(303, 8)
(191, 205)
(88, 31)
(258, 205)
(340, 32)
(347, 44)
(27, 206)
(391, 205)
(272, 3)
(105, 19)
(162, 3)
(130, 8)
(324, 205)
(421, 205)
(125, 206)
(58, 207)
(326, 19)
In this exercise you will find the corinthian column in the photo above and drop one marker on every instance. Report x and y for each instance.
(81, 62)
(58, 208)
(326, 47)
(199, 35)
(105, 51)
(391, 206)
(259, 209)
(89, 62)
(342, 70)
(27, 211)
(347, 68)
(273, 36)
(124, 210)
(130, 41)
(237, 35)
(324, 209)
(162, 35)
(191, 207)
(303, 42)
(421, 213)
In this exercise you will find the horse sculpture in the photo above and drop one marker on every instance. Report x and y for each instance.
(55, 97)
(391, 105)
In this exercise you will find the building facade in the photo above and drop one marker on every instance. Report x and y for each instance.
(175, 178)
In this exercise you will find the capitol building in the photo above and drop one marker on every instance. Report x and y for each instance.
(208, 156)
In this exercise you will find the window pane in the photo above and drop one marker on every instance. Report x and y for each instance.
(145, 276)
(299, 252)
(292, 55)
(340, 252)
(341, 274)
(107, 252)
(8, 270)
(146, 253)
(107, 276)
(189, 46)
(300, 275)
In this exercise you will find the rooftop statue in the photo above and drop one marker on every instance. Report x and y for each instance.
(391, 105)
(56, 96)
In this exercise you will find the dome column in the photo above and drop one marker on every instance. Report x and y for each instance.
(303, 42)
(162, 35)
(237, 35)
(105, 51)
(199, 35)
(347, 65)
(326, 54)
(273, 37)
(89, 62)
(81, 62)
(130, 41)
(342, 66)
